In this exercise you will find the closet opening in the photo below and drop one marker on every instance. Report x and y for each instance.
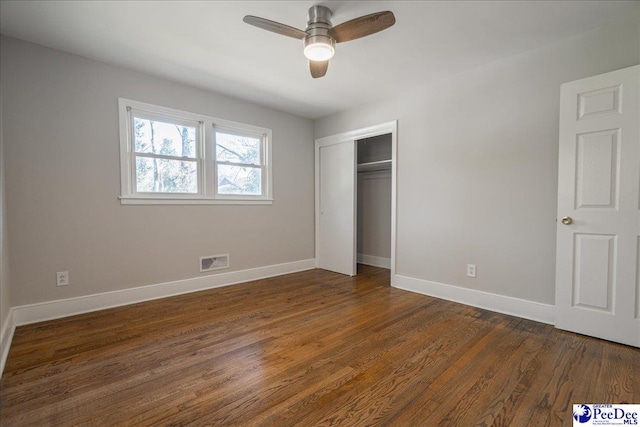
(374, 200)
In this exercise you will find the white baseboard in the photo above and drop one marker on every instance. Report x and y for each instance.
(375, 261)
(32, 313)
(493, 302)
(6, 336)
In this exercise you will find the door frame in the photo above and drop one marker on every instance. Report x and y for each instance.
(352, 136)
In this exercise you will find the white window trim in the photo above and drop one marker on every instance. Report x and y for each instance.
(207, 173)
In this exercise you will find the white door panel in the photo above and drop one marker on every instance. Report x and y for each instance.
(597, 282)
(337, 200)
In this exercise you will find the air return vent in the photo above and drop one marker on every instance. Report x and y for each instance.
(214, 262)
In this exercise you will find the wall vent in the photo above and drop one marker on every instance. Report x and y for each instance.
(214, 262)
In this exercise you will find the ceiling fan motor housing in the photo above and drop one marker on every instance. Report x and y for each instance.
(318, 27)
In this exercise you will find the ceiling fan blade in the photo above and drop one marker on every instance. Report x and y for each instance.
(274, 27)
(318, 68)
(362, 26)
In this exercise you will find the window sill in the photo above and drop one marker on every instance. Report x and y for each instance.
(195, 201)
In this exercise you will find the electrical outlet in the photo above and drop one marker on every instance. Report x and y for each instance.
(62, 278)
(471, 270)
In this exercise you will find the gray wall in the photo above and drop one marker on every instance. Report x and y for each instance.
(374, 213)
(60, 115)
(477, 175)
(5, 293)
(478, 159)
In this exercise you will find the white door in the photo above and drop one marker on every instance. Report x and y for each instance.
(337, 207)
(597, 276)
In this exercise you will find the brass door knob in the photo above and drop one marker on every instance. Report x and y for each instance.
(566, 220)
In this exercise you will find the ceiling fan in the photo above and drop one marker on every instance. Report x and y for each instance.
(320, 36)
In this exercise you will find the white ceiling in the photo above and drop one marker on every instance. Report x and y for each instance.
(206, 44)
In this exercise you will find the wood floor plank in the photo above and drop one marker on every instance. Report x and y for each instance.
(309, 348)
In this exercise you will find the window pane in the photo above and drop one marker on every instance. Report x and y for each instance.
(157, 137)
(166, 176)
(239, 180)
(237, 149)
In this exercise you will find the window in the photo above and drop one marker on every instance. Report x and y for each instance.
(165, 154)
(174, 157)
(239, 162)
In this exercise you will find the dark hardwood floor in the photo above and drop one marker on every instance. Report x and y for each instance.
(312, 349)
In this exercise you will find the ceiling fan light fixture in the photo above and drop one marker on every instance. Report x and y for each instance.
(319, 48)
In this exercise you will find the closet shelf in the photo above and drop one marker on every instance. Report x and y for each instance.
(374, 166)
